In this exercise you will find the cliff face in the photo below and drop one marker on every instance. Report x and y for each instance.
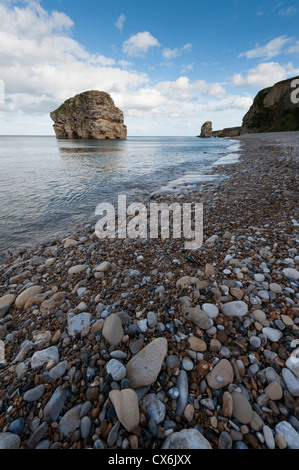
(89, 115)
(272, 110)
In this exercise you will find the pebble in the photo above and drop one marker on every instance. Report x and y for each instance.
(126, 407)
(103, 267)
(85, 426)
(113, 330)
(9, 440)
(269, 438)
(290, 435)
(187, 363)
(186, 439)
(55, 404)
(221, 375)
(291, 273)
(183, 387)
(197, 344)
(154, 407)
(17, 426)
(272, 334)
(57, 371)
(235, 308)
(276, 288)
(292, 382)
(198, 317)
(255, 341)
(34, 394)
(7, 299)
(173, 392)
(26, 295)
(77, 269)
(44, 356)
(144, 367)
(211, 310)
(242, 410)
(77, 323)
(274, 391)
(70, 420)
(116, 369)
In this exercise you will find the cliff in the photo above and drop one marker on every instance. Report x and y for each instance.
(89, 115)
(273, 110)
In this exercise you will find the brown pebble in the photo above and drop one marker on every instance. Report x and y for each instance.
(203, 368)
(133, 440)
(227, 405)
(251, 439)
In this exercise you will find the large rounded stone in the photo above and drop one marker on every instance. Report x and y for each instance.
(8, 440)
(186, 439)
(126, 407)
(27, 294)
(113, 330)
(7, 299)
(242, 410)
(291, 273)
(235, 308)
(272, 334)
(77, 269)
(144, 367)
(211, 310)
(198, 317)
(221, 375)
(196, 344)
(274, 391)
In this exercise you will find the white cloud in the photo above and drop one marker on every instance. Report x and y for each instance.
(173, 53)
(125, 63)
(230, 102)
(183, 87)
(264, 75)
(294, 49)
(187, 68)
(42, 65)
(120, 22)
(271, 49)
(289, 11)
(139, 44)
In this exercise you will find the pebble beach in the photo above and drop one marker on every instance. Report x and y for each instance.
(142, 344)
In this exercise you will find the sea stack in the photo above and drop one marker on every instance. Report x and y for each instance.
(206, 129)
(89, 115)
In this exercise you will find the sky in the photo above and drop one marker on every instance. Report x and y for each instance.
(169, 65)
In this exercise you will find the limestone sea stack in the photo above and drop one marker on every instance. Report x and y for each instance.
(89, 115)
(206, 129)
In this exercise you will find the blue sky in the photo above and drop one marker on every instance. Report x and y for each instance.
(169, 65)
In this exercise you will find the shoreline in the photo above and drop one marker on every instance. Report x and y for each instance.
(229, 362)
(142, 194)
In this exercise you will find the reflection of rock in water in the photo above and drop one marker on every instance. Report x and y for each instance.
(71, 150)
(89, 115)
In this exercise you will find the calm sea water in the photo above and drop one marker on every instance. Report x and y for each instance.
(46, 184)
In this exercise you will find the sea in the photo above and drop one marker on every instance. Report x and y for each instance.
(47, 185)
